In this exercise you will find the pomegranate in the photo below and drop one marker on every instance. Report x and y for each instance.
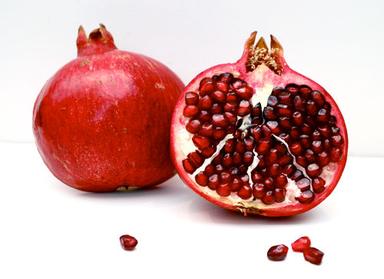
(102, 121)
(128, 242)
(277, 252)
(301, 244)
(313, 255)
(257, 137)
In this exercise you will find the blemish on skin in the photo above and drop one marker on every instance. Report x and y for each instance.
(84, 62)
(159, 85)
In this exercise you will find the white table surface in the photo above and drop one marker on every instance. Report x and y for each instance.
(49, 230)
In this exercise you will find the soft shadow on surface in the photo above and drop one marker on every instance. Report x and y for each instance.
(170, 188)
(204, 211)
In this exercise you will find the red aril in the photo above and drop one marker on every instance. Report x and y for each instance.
(277, 252)
(102, 121)
(128, 242)
(301, 244)
(313, 255)
(279, 135)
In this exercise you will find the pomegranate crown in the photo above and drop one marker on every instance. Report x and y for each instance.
(98, 41)
(259, 53)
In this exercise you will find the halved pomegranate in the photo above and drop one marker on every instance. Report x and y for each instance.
(258, 137)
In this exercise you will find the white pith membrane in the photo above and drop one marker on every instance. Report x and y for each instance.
(262, 81)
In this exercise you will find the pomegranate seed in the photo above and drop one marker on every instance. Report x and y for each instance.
(245, 192)
(216, 109)
(230, 117)
(235, 185)
(313, 255)
(219, 168)
(193, 126)
(277, 252)
(196, 159)
(240, 147)
(301, 244)
(297, 175)
(244, 108)
(226, 77)
(263, 146)
(272, 101)
(318, 185)
(227, 160)
(305, 141)
(213, 181)
(295, 148)
(258, 191)
(292, 88)
(204, 116)
(256, 177)
(231, 98)
(201, 179)
(322, 115)
(237, 158)
(298, 103)
(313, 170)
(218, 96)
(268, 198)
(284, 110)
(306, 197)
(311, 108)
(316, 135)
(318, 98)
(205, 103)
(268, 183)
(285, 137)
(190, 111)
(301, 161)
(277, 90)
(128, 242)
(269, 113)
(206, 88)
(223, 190)
(297, 118)
(188, 166)
(336, 140)
(219, 120)
(208, 151)
(285, 160)
(325, 131)
(294, 133)
(209, 170)
(306, 129)
(200, 142)
(245, 92)
(249, 143)
(281, 181)
(285, 97)
(274, 169)
(273, 126)
(219, 133)
(225, 177)
(289, 170)
(309, 156)
(285, 122)
(327, 144)
(303, 184)
(323, 159)
(222, 86)
(279, 195)
(206, 130)
(335, 154)
(191, 98)
(305, 91)
(256, 110)
(248, 158)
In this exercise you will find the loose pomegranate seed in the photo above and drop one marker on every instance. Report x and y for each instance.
(313, 255)
(128, 242)
(301, 244)
(277, 252)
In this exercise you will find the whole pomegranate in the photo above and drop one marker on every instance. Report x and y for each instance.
(258, 137)
(102, 121)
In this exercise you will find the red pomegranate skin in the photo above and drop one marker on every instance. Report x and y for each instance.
(103, 120)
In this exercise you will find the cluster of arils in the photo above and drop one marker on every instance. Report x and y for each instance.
(255, 152)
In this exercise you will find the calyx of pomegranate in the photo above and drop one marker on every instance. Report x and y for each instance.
(258, 137)
(98, 41)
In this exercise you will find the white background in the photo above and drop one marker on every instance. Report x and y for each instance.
(50, 231)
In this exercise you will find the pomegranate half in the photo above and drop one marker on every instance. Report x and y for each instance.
(102, 121)
(258, 137)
